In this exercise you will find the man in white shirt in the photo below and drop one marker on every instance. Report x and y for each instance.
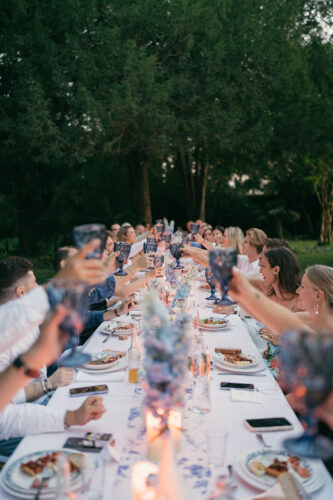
(252, 246)
(17, 279)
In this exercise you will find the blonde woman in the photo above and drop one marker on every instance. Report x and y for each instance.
(233, 237)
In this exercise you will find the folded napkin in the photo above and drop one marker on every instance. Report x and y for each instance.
(246, 396)
(100, 377)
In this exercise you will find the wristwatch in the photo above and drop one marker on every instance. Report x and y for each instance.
(45, 385)
(30, 372)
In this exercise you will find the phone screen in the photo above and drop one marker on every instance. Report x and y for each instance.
(93, 389)
(268, 422)
(231, 385)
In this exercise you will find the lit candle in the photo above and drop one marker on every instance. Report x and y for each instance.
(140, 473)
(154, 432)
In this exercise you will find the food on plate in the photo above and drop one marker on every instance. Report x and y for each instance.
(34, 467)
(294, 462)
(75, 461)
(224, 310)
(204, 287)
(105, 359)
(257, 468)
(230, 350)
(238, 359)
(277, 467)
(212, 321)
(125, 326)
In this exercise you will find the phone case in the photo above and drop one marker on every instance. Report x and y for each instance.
(268, 429)
(94, 393)
(77, 444)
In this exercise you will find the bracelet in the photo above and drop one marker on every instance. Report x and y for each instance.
(45, 386)
(30, 372)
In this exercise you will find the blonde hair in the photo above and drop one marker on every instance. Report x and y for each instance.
(257, 238)
(235, 236)
(322, 278)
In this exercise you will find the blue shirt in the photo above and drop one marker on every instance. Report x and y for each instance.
(103, 291)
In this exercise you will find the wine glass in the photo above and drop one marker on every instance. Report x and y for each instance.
(307, 372)
(211, 282)
(221, 261)
(194, 228)
(159, 230)
(125, 249)
(87, 232)
(167, 238)
(151, 239)
(73, 295)
(176, 252)
(150, 247)
(158, 262)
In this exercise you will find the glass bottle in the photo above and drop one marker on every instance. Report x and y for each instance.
(134, 359)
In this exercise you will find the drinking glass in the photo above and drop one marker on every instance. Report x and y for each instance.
(94, 478)
(73, 295)
(151, 239)
(87, 232)
(194, 228)
(211, 282)
(150, 247)
(221, 262)
(200, 368)
(176, 252)
(125, 249)
(307, 372)
(216, 439)
(167, 238)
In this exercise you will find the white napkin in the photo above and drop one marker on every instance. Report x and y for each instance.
(237, 395)
(100, 377)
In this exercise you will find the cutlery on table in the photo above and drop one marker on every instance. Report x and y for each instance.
(262, 441)
(231, 483)
(111, 334)
(243, 374)
(47, 473)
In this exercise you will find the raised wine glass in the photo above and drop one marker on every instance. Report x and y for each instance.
(176, 252)
(221, 262)
(87, 232)
(125, 249)
(307, 372)
(150, 247)
(72, 294)
(194, 228)
(167, 238)
(211, 282)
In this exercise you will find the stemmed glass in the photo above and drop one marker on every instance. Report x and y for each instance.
(167, 238)
(158, 262)
(150, 247)
(176, 252)
(221, 261)
(194, 228)
(85, 233)
(307, 371)
(159, 230)
(211, 282)
(125, 249)
(73, 295)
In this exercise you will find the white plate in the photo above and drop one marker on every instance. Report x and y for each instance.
(266, 456)
(120, 331)
(248, 369)
(18, 483)
(115, 365)
(213, 327)
(222, 360)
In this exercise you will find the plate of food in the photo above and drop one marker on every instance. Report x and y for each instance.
(23, 477)
(262, 467)
(105, 360)
(219, 362)
(122, 327)
(204, 286)
(213, 323)
(238, 360)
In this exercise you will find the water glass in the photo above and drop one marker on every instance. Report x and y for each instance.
(216, 439)
(94, 478)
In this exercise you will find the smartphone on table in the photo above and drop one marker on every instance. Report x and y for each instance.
(89, 390)
(268, 424)
(226, 386)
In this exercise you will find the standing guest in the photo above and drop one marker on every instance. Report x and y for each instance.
(17, 279)
(251, 248)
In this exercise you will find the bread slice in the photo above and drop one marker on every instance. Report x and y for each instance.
(231, 350)
(257, 468)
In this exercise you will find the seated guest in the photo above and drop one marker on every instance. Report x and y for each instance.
(233, 238)
(252, 246)
(62, 255)
(16, 279)
(218, 233)
(114, 230)
(273, 243)
(109, 245)
(127, 234)
(140, 229)
(207, 234)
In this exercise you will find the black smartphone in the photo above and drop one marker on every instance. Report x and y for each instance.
(88, 391)
(226, 386)
(85, 445)
(268, 424)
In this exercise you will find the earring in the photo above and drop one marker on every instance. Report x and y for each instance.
(317, 310)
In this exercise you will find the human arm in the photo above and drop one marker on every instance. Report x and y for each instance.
(273, 315)
(198, 254)
(62, 376)
(129, 289)
(143, 262)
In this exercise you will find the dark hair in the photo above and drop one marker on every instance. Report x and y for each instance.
(290, 269)
(122, 233)
(276, 243)
(11, 270)
(61, 254)
(219, 228)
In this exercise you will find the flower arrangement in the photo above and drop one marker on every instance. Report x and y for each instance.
(166, 345)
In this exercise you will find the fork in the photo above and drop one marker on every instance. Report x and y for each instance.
(262, 441)
(111, 334)
(46, 475)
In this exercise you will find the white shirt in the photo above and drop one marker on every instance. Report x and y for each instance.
(21, 346)
(251, 270)
(136, 248)
(29, 418)
(17, 317)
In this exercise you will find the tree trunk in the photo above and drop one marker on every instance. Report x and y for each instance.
(139, 182)
(326, 226)
(188, 184)
(204, 179)
(325, 197)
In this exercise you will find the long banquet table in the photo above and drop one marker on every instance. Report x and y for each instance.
(123, 419)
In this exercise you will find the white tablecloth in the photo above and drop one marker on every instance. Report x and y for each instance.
(123, 419)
